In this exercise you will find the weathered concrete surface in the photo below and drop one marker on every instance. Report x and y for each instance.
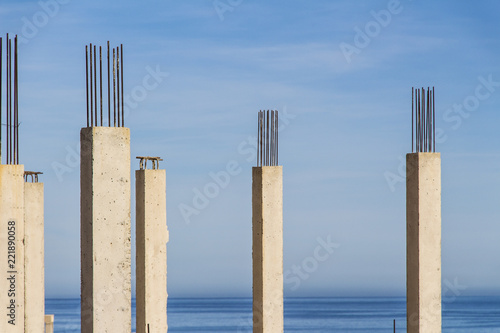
(34, 281)
(12, 259)
(151, 251)
(267, 250)
(49, 324)
(105, 229)
(423, 239)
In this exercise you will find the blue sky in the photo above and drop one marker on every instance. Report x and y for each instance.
(342, 142)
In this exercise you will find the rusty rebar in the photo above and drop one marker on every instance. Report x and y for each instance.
(94, 73)
(114, 89)
(16, 105)
(118, 85)
(87, 79)
(109, 92)
(91, 91)
(100, 80)
(1, 80)
(7, 101)
(123, 105)
(11, 99)
(95, 85)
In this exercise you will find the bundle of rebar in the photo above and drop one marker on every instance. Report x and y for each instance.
(94, 85)
(267, 138)
(11, 100)
(423, 120)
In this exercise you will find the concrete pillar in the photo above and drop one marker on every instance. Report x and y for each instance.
(12, 248)
(49, 324)
(423, 242)
(151, 251)
(34, 282)
(105, 229)
(267, 250)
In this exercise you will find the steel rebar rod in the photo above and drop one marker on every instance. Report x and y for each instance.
(258, 137)
(10, 102)
(7, 121)
(261, 136)
(95, 86)
(87, 80)
(114, 89)
(109, 92)
(123, 105)
(271, 141)
(433, 120)
(16, 105)
(412, 119)
(423, 130)
(118, 84)
(100, 80)
(277, 131)
(267, 137)
(91, 90)
(1, 80)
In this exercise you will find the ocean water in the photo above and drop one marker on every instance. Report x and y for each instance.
(374, 314)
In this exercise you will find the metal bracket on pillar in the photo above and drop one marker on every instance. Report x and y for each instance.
(33, 175)
(155, 162)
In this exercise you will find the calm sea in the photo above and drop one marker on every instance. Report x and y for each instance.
(463, 314)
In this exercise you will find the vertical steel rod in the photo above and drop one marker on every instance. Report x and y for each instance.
(109, 92)
(427, 121)
(1, 80)
(412, 119)
(430, 120)
(87, 79)
(7, 99)
(14, 141)
(423, 120)
(16, 104)
(261, 137)
(91, 91)
(258, 137)
(277, 131)
(418, 120)
(118, 84)
(271, 150)
(10, 102)
(100, 80)
(434, 119)
(114, 89)
(267, 139)
(95, 85)
(123, 105)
